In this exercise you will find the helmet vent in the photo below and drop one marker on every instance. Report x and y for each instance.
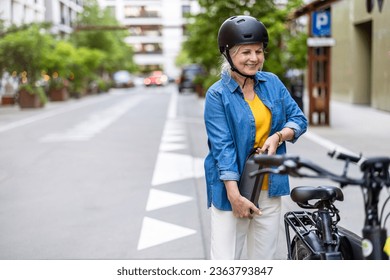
(248, 36)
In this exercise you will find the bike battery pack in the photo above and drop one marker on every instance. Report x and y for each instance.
(250, 187)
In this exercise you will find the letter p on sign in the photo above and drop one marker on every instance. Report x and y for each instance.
(321, 22)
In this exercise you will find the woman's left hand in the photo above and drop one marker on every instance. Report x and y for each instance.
(270, 145)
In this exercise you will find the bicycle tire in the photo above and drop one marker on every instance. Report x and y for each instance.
(300, 251)
(346, 249)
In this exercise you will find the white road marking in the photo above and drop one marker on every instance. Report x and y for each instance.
(160, 199)
(173, 134)
(46, 115)
(169, 147)
(172, 109)
(173, 138)
(329, 145)
(171, 167)
(94, 124)
(155, 232)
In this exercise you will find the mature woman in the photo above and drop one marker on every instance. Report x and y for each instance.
(247, 108)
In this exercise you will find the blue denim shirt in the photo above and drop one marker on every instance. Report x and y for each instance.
(231, 130)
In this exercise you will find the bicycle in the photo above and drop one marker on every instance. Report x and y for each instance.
(317, 233)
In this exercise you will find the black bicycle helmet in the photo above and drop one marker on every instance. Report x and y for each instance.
(238, 30)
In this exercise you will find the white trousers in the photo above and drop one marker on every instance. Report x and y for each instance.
(229, 234)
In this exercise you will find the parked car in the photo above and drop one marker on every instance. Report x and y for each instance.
(156, 78)
(123, 79)
(188, 75)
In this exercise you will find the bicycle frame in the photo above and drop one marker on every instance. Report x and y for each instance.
(318, 230)
(317, 235)
(374, 236)
(336, 244)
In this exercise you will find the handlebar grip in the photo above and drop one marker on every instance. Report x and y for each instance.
(271, 160)
(343, 156)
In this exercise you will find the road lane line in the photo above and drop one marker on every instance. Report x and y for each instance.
(172, 109)
(160, 199)
(46, 115)
(95, 123)
(155, 232)
(329, 145)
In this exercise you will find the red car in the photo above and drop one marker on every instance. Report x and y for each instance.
(157, 78)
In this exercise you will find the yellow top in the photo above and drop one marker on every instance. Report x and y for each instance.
(262, 117)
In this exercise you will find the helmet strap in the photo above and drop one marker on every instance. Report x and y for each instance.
(233, 68)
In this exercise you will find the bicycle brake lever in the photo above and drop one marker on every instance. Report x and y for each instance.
(260, 171)
(291, 168)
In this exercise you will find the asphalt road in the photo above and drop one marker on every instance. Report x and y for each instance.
(120, 175)
(109, 176)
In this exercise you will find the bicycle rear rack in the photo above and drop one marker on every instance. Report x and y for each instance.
(302, 223)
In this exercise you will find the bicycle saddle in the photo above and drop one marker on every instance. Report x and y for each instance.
(303, 194)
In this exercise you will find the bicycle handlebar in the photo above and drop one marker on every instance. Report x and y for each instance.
(343, 156)
(274, 160)
(293, 166)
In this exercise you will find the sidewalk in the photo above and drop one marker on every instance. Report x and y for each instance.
(353, 128)
(357, 128)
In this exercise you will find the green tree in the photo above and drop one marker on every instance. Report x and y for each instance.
(101, 31)
(79, 65)
(23, 51)
(284, 50)
(84, 63)
(59, 58)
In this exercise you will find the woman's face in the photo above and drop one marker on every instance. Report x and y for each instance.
(248, 59)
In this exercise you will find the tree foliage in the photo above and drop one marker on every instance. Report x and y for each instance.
(110, 41)
(24, 51)
(284, 51)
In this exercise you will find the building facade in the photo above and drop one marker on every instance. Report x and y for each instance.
(61, 13)
(20, 12)
(156, 30)
(360, 66)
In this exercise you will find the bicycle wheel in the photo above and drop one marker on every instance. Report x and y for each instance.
(350, 245)
(300, 251)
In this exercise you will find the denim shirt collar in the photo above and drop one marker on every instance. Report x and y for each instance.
(233, 86)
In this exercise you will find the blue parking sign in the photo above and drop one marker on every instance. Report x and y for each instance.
(321, 22)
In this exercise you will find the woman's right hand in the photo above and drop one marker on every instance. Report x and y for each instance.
(243, 208)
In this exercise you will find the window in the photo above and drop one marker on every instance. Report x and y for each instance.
(148, 48)
(145, 30)
(141, 11)
(185, 9)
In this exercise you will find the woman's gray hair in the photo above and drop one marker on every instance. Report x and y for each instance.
(225, 66)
